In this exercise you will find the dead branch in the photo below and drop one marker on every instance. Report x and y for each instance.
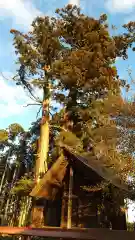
(33, 104)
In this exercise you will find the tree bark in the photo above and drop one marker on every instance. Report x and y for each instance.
(42, 156)
(41, 163)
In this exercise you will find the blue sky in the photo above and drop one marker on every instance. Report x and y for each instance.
(19, 14)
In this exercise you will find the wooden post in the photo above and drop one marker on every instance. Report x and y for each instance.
(77, 212)
(69, 217)
(63, 208)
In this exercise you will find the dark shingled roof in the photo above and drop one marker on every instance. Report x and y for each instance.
(52, 180)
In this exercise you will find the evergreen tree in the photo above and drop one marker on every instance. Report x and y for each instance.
(72, 59)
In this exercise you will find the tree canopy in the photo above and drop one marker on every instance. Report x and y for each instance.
(74, 55)
(71, 58)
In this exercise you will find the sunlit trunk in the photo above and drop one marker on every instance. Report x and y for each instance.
(43, 148)
(41, 164)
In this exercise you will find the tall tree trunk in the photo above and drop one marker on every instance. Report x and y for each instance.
(41, 163)
(43, 148)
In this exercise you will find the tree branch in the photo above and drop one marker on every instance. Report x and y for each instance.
(4, 76)
(33, 99)
(58, 127)
(33, 104)
(32, 95)
(29, 91)
(38, 112)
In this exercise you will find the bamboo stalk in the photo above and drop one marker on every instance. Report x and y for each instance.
(6, 209)
(21, 213)
(24, 211)
(4, 173)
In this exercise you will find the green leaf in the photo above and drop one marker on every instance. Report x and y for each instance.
(3, 135)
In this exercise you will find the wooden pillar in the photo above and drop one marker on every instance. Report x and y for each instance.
(77, 212)
(63, 207)
(37, 217)
(37, 213)
(69, 217)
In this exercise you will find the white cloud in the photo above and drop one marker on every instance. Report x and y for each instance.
(12, 98)
(75, 2)
(120, 5)
(117, 59)
(22, 11)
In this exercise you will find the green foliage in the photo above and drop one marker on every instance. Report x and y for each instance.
(70, 139)
(23, 186)
(15, 129)
(3, 135)
(35, 51)
(98, 187)
(22, 154)
(79, 53)
(130, 227)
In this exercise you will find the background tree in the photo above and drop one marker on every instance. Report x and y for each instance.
(88, 74)
(18, 149)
